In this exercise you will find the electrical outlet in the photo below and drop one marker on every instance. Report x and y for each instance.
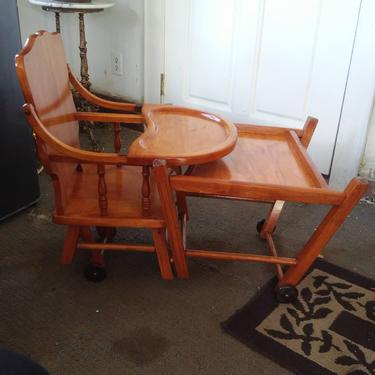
(116, 61)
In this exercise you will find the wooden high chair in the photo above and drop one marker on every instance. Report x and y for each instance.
(102, 190)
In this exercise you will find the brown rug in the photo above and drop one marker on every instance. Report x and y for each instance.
(330, 329)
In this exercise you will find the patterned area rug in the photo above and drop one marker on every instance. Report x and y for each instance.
(330, 329)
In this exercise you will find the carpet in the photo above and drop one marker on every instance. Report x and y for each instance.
(330, 329)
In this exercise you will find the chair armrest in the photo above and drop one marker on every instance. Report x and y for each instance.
(125, 107)
(69, 153)
(110, 117)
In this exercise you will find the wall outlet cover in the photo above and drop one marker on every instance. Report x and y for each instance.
(116, 63)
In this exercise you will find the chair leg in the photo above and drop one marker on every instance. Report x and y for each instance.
(182, 205)
(170, 217)
(272, 218)
(162, 254)
(326, 230)
(70, 245)
(96, 256)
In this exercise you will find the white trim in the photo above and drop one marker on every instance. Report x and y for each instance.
(154, 52)
(358, 101)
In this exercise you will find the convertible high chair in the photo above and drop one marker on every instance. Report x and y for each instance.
(102, 190)
(268, 164)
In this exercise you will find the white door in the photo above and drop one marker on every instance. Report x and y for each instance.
(263, 61)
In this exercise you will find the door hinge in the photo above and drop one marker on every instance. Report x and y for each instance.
(162, 87)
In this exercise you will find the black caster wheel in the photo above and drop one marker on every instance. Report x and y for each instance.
(95, 273)
(106, 232)
(260, 225)
(286, 293)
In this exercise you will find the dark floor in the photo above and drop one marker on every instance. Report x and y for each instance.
(135, 323)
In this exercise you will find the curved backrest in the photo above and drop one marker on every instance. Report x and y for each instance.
(42, 70)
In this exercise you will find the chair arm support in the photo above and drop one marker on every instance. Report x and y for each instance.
(126, 107)
(69, 153)
(110, 117)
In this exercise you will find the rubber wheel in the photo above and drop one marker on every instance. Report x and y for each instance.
(106, 232)
(286, 293)
(260, 225)
(95, 273)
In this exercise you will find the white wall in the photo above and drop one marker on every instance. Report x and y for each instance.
(368, 161)
(118, 29)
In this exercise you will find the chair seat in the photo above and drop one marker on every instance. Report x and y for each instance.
(124, 194)
(261, 159)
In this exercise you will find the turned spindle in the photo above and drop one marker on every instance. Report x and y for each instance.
(146, 191)
(102, 190)
(117, 142)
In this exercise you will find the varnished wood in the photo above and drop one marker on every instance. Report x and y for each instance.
(265, 159)
(272, 247)
(272, 218)
(308, 130)
(162, 254)
(70, 244)
(118, 106)
(305, 160)
(117, 140)
(102, 191)
(96, 254)
(183, 136)
(90, 189)
(146, 191)
(269, 165)
(325, 231)
(222, 255)
(169, 213)
(38, 75)
(110, 117)
(256, 191)
(116, 247)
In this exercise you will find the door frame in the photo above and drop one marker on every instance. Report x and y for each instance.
(358, 98)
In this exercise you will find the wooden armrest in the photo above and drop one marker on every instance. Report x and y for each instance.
(89, 96)
(110, 117)
(69, 153)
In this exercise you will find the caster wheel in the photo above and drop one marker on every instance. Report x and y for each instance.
(260, 225)
(286, 293)
(106, 232)
(95, 273)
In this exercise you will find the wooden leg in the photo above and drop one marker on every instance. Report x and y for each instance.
(326, 230)
(162, 254)
(70, 245)
(170, 217)
(96, 256)
(272, 219)
(182, 205)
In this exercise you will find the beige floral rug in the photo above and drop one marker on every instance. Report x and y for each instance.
(330, 329)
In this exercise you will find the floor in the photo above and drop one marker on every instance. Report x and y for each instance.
(135, 323)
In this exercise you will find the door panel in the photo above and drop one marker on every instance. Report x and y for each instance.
(263, 61)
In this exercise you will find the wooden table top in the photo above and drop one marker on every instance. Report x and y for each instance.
(183, 136)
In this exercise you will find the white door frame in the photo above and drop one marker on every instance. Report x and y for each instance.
(359, 93)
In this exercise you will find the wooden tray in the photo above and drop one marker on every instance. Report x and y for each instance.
(183, 136)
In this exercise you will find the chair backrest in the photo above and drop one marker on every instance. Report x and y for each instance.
(43, 74)
(42, 70)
